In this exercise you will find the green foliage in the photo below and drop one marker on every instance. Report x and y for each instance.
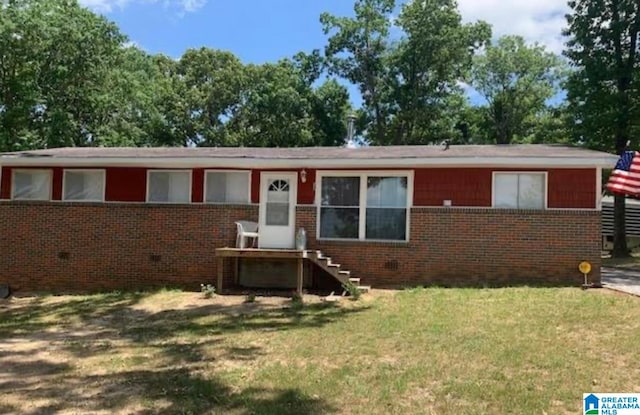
(250, 298)
(604, 86)
(516, 80)
(55, 61)
(352, 289)
(409, 86)
(297, 301)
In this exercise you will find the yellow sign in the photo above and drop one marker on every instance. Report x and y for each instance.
(584, 267)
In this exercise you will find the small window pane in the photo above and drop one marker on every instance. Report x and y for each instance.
(340, 191)
(387, 192)
(531, 191)
(278, 214)
(386, 224)
(339, 222)
(227, 187)
(83, 185)
(31, 185)
(519, 191)
(169, 187)
(506, 191)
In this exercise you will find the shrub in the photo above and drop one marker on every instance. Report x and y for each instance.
(207, 290)
(297, 301)
(352, 289)
(250, 298)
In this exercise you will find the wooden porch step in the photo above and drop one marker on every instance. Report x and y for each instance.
(335, 270)
(364, 288)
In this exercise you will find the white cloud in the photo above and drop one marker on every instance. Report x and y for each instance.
(107, 6)
(539, 21)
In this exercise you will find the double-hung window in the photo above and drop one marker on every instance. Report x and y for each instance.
(516, 190)
(31, 185)
(230, 187)
(364, 206)
(83, 185)
(169, 186)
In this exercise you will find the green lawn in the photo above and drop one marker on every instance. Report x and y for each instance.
(424, 351)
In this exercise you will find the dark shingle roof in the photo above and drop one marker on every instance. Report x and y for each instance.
(316, 153)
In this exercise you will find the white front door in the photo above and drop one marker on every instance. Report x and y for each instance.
(278, 195)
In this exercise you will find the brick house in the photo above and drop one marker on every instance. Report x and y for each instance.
(124, 218)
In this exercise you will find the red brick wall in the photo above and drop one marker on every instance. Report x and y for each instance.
(473, 247)
(66, 247)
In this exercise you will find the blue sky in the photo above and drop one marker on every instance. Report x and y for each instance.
(258, 31)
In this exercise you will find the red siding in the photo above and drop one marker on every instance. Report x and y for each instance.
(572, 188)
(5, 183)
(568, 188)
(197, 186)
(56, 186)
(464, 187)
(126, 184)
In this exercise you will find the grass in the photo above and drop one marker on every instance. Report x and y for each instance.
(423, 351)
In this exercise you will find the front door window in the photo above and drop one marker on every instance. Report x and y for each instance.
(278, 203)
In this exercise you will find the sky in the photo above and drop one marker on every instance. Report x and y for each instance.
(259, 31)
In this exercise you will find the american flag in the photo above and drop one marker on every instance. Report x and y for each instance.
(625, 179)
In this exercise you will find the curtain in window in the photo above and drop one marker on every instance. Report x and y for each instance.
(227, 187)
(519, 191)
(31, 185)
(169, 187)
(83, 185)
(531, 191)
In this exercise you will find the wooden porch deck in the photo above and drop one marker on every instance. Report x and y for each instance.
(315, 256)
(223, 253)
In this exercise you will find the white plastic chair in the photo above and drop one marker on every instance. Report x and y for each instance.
(246, 230)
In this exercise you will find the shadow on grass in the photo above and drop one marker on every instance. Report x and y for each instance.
(179, 374)
(171, 391)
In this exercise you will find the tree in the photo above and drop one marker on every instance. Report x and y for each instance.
(427, 64)
(604, 87)
(516, 80)
(409, 86)
(55, 57)
(358, 51)
(280, 108)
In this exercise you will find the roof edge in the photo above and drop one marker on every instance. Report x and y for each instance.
(603, 161)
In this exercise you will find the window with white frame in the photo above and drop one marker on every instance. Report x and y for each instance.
(519, 190)
(227, 187)
(83, 185)
(31, 185)
(366, 206)
(169, 186)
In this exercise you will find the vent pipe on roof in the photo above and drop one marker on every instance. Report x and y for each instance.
(351, 127)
